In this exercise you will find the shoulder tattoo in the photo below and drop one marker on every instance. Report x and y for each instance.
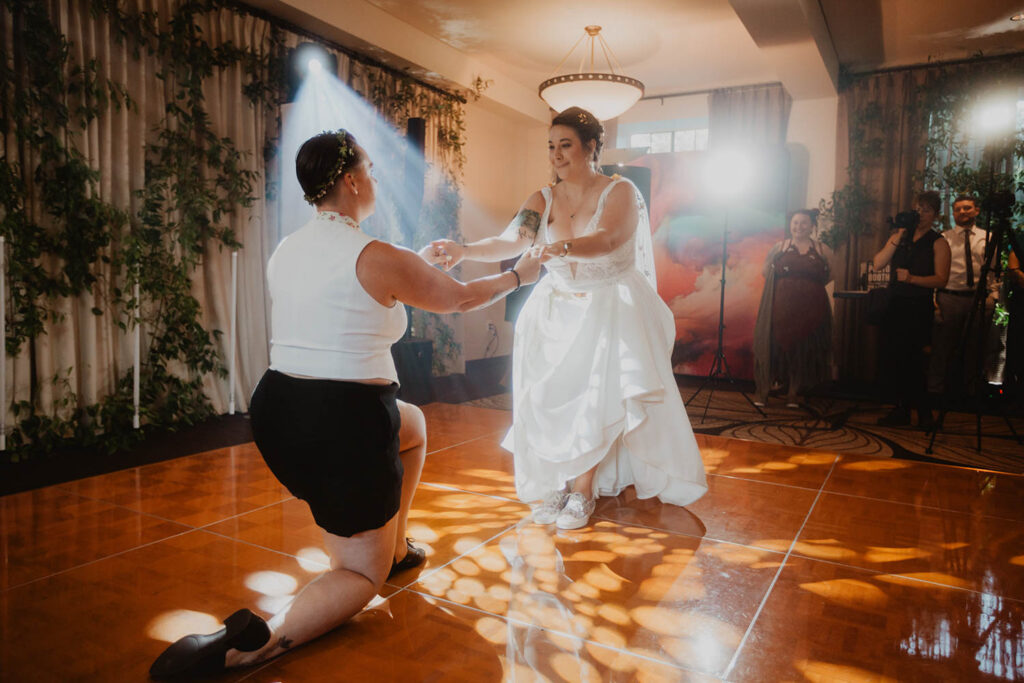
(527, 222)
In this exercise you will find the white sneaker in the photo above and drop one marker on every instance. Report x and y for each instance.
(547, 511)
(576, 512)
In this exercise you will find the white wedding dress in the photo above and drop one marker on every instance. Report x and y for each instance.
(592, 378)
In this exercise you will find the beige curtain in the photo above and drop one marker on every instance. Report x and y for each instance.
(750, 115)
(885, 104)
(91, 351)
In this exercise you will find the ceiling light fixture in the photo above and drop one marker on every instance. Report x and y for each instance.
(606, 95)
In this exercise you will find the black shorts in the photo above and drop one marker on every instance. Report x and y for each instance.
(334, 445)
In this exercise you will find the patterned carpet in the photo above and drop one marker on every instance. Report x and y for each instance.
(843, 426)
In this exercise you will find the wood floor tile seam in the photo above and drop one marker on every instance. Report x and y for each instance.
(671, 532)
(122, 506)
(263, 665)
(520, 622)
(98, 559)
(463, 443)
(771, 586)
(923, 507)
(247, 512)
(936, 463)
(434, 570)
(774, 483)
(906, 577)
(456, 489)
(676, 532)
(261, 547)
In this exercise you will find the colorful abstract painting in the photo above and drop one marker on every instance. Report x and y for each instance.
(689, 220)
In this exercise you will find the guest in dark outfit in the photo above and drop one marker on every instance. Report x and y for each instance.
(793, 333)
(325, 416)
(919, 261)
(1013, 378)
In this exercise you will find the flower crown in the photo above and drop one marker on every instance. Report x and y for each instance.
(344, 153)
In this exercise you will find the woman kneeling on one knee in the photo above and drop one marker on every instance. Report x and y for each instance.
(325, 416)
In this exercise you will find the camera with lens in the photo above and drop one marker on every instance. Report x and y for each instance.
(905, 219)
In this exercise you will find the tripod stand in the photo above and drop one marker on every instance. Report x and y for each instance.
(720, 366)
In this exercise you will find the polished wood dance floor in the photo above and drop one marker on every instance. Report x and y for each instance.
(797, 565)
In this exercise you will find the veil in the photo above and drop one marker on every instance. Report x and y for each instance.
(644, 244)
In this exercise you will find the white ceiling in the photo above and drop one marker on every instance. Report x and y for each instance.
(673, 46)
(667, 44)
(683, 45)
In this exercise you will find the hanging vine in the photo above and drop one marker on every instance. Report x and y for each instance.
(194, 180)
(65, 242)
(56, 225)
(941, 109)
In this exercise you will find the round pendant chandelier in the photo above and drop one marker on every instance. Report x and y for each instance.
(605, 94)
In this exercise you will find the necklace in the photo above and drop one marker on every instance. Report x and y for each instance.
(579, 204)
(338, 217)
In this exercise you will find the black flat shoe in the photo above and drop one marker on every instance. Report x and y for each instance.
(202, 655)
(413, 558)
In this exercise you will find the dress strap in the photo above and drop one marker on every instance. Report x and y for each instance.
(605, 191)
(546, 193)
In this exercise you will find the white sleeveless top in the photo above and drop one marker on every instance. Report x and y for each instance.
(323, 323)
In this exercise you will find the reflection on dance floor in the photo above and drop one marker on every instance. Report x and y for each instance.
(797, 565)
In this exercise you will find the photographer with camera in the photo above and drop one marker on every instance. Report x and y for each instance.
(919, 260)
(954, 302)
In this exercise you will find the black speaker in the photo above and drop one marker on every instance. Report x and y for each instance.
(415, 176)
(640, 175)
(416, 133)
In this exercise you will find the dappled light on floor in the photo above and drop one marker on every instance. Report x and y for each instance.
(797, 564)
(174, 624)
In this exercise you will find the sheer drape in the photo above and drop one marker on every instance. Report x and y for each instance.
(752, 115)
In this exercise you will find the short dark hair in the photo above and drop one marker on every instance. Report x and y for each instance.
(966, 198)
(585, 124)
(324, 158)
(929, 198)
(810, 213)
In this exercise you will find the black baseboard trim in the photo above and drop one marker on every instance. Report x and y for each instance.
(158, 445)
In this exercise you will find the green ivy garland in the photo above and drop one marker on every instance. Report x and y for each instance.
(194, 181)
(943, 103)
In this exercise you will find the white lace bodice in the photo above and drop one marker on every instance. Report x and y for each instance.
(584, 274)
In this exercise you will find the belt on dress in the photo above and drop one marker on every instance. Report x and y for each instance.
(958, 292)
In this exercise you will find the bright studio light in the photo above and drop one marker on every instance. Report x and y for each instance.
(994, 117)
(728, 173)
(308, 60)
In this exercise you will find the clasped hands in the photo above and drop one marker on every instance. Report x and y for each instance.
(448, 254)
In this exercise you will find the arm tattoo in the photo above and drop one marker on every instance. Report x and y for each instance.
(528, 223)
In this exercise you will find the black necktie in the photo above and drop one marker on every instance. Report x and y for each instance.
(968, 258)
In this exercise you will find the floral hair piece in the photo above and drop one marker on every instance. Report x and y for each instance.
(344, 153)
(583, 118)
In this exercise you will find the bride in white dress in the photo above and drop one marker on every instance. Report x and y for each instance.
(595, 402)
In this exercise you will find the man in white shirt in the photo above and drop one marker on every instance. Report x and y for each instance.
(955, 300)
